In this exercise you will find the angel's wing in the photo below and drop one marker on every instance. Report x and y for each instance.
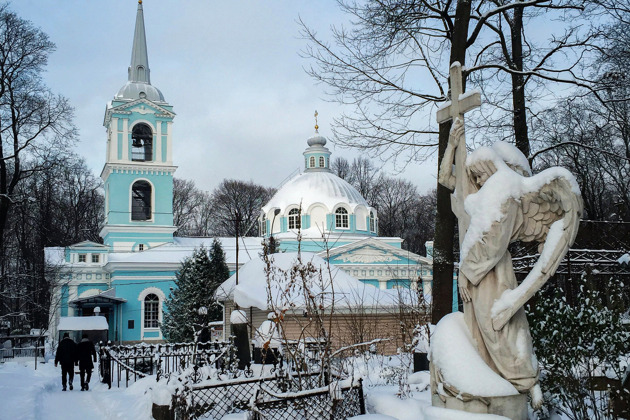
(551, 215)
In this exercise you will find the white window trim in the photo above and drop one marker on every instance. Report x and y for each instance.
(335, 218)
(297, 216)
(152, 219)
(162, 297)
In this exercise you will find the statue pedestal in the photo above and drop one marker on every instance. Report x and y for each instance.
(461, 380)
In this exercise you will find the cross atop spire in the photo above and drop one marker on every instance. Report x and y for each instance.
(316, 126)
(139, 67)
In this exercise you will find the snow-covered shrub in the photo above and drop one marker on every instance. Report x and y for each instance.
(196, 281)
(580, 346)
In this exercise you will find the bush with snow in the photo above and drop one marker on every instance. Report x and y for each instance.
(581, 344)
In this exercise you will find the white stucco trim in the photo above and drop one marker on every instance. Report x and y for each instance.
(152, 219)
(142, 121)
(162, 297)
(125, 138)
(317, 204)
(169, 142)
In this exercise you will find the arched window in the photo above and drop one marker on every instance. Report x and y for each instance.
(142, 143)
(151, 311)
(341, 218)
(141, 201)
(294, 219)
(312, 162)
(322, 162)
(372, 222)
(263, 225)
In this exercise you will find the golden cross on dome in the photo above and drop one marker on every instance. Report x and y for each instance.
(316, 126)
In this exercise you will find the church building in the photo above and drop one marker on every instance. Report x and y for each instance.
(128, 277)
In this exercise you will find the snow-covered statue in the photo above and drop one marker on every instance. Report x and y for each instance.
(498, 201)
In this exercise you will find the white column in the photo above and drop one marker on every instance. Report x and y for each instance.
(125, 142)
(72, 295)
(113, 140)
(158, 140)
(169, 143)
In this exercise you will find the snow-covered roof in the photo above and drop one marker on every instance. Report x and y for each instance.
(82, 323)
(183, 247)
(315, 187)
(252, 289)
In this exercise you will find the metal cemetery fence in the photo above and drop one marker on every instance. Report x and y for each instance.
(278, 397)
(131, 362)
(313, 404)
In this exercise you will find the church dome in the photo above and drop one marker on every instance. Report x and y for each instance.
(139, 90)
(316, 140)
(317, 201)
(315, 187)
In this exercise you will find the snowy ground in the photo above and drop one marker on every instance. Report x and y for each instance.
(29, 394)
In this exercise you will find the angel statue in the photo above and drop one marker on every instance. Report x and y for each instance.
(505, 203)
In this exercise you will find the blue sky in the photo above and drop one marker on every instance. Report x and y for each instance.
(231, 69)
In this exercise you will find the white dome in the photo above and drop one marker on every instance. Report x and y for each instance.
(315, 187)
(140, 90)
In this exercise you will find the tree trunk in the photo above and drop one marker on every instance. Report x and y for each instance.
(445, 219)
(518, 84)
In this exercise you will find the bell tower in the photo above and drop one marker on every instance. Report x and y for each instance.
(138, 173)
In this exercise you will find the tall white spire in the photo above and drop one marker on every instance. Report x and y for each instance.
(139, 67)
(139, 85)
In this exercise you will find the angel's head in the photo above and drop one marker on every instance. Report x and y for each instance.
(513, 158)
(481, 165)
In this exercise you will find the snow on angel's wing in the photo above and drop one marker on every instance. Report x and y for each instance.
(552, 208)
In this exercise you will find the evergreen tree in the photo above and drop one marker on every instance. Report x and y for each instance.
(196, 281)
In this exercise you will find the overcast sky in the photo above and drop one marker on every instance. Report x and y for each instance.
(231, 69)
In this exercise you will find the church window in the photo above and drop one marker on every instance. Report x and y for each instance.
(151, 311)
(341, 218)
(322, 162)
(312, 162)
(140, 247)
(294, 219)
(95, 258)
(263, 225)
(82, 257)
(142, 143)
(141, 201)
(372, 222)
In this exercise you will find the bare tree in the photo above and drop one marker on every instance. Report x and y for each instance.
(33, 121)
(34, 125)
(65, 206)
(340, 167)
(187, 201)
(391, 67)
(236, 207)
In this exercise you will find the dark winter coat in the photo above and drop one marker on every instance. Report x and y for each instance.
(66, 352)
(85, 353)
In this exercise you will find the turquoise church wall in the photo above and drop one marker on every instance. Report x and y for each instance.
(119, 185)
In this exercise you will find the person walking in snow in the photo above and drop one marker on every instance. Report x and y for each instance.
(85, 353)
(66, 356)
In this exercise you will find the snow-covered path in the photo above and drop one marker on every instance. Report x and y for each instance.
(29, 394)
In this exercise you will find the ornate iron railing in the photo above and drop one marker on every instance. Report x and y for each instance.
(128, 363)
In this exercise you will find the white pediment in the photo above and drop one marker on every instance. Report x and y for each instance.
(89, 245)
(142, 109)
(367, 255)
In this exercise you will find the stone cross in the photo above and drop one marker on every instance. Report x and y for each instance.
(460, 104)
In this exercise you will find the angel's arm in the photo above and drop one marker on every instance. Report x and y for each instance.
(488, 250)
(445, 175)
